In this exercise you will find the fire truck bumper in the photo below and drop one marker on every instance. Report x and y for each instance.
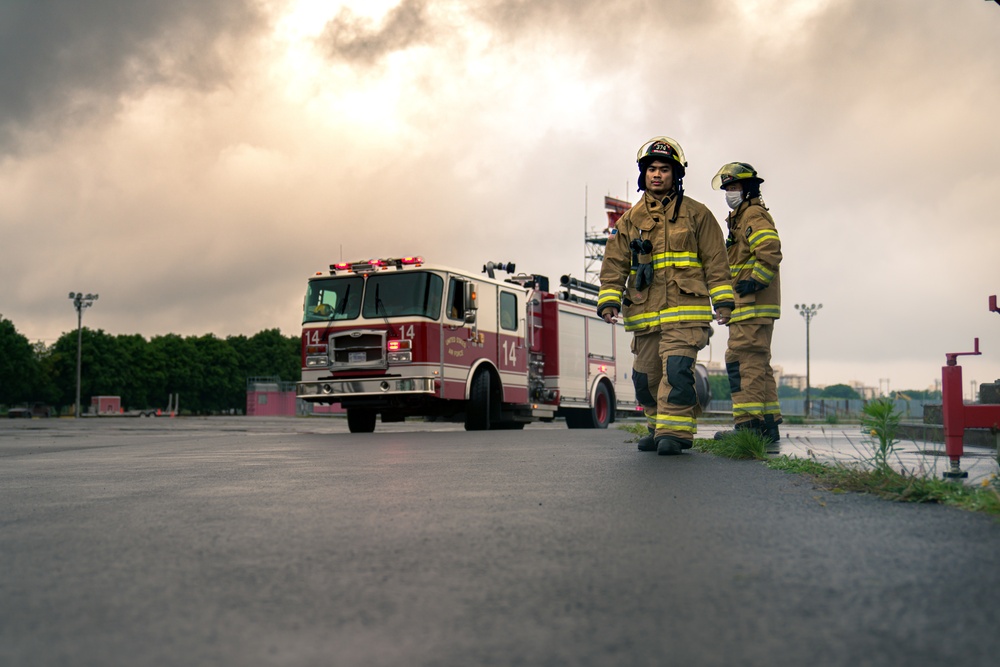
(335, 390)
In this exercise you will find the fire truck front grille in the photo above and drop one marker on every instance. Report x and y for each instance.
(364, 349)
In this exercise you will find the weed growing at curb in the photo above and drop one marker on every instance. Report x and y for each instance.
(892, 485)
(882, 481)
(881, 420)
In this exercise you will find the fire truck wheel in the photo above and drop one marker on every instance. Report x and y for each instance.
(360, 420)
(602, 410)
(477, 412)
(598, 416)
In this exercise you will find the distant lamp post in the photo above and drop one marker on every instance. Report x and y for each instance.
(887, 393)
(807, 312)
(80, 301)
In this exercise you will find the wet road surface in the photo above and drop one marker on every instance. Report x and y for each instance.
(242, 541)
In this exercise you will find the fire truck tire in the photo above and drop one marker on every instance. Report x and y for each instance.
(603, 410)
(360, 420)
(598, 416)
(477, 412)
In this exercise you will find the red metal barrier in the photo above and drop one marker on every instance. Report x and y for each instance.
(958, 416)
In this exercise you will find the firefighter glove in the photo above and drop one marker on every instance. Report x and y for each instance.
(744, 287)
(643, 276)
(642, 261)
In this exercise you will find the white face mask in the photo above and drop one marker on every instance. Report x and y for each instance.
(734, 198)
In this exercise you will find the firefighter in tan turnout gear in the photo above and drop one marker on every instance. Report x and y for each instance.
(754, 255)
(664, 269)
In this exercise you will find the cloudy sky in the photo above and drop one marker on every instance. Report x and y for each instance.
(194, 161)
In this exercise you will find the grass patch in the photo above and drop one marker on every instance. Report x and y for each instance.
(882, 481)
(896, 486)
(794, 419)
(737, 445)
(873, 475)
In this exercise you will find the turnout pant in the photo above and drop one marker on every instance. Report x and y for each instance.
(663, 374)
(751, 378)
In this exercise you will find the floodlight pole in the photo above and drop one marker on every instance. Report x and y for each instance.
(80, 301)
(807, 312)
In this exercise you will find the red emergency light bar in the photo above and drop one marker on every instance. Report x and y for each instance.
(397, 345)
(372, 265)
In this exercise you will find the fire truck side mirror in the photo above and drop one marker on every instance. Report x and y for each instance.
(471, 302)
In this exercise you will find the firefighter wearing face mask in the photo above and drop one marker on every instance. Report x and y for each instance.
(664, 270)
(754, 255)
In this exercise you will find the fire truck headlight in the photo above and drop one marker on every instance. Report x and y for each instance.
(400, 357)
(317, 362)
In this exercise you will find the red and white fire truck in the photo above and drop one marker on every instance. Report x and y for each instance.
(396, 338)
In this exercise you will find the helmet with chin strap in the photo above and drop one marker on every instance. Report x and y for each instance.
(663, 149)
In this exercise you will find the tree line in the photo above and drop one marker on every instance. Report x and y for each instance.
(721, 392)
(209, 373)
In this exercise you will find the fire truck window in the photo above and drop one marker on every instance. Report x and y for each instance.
(404, 293)
(333, 299)
(508, 311)
(456, 299)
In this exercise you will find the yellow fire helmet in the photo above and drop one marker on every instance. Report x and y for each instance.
(733, 172)
(663, 148)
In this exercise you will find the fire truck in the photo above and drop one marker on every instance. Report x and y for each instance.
(398, 338)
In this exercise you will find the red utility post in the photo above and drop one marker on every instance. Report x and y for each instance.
(958, 416)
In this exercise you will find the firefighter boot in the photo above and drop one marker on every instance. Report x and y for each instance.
(751, 425)
(647, 443)
(771, 428)
(771, 434)
(669, 445)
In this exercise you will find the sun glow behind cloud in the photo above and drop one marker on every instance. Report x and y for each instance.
(779, 21)
(336, 95)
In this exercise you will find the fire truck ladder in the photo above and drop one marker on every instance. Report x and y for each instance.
(578, 291)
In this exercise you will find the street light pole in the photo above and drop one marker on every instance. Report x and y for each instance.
(80, 301)
(807, 312)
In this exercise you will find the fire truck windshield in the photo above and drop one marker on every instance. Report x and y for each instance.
(394, 294)
(407, 293)
(333, 299)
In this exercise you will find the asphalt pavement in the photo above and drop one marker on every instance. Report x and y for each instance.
(245, 541)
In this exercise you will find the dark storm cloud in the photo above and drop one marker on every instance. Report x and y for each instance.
(67, 60)
(356, 40)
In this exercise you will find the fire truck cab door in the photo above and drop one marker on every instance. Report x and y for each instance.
(512, 357)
